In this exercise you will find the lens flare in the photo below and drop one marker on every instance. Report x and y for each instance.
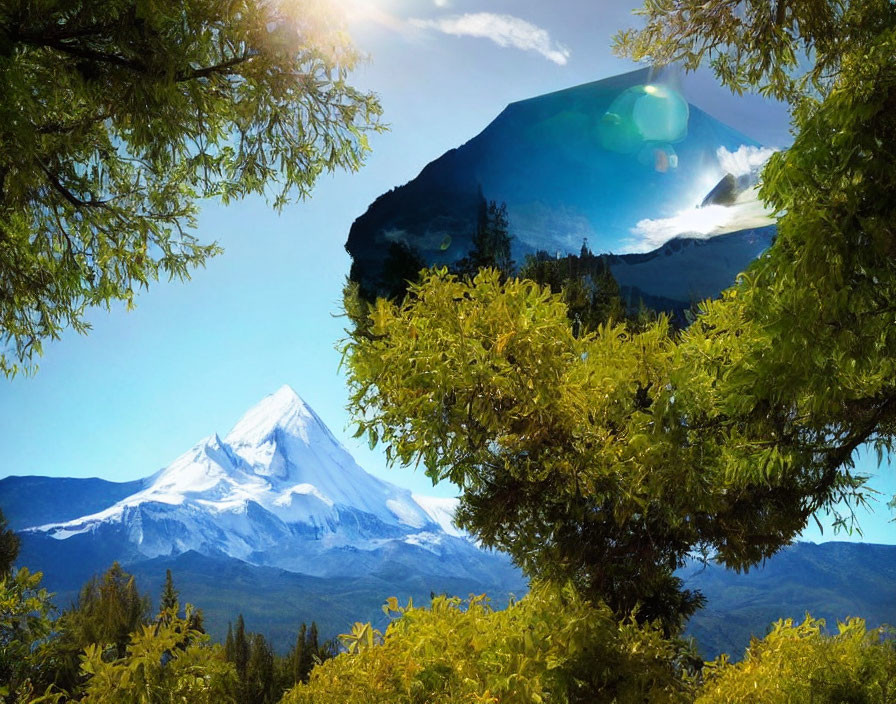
(644, 121)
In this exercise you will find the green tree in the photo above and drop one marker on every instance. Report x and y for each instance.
(551, 646)
(169, 600)
(301, 661)
(241, 652)
(9, 546)
(108, 610)
(491, 241)
(313, 645)
(260, 672)
(118, 117)
(25, 626)
(569, 450)
(229, 644)
(163, 663)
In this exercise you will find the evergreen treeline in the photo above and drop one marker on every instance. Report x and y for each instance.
(589, 290)
(262, 675)
(109, 639)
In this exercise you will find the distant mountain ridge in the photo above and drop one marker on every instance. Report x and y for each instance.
(834, 581)
(307, 546)
(277, 492)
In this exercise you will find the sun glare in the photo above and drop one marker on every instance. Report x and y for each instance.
(363, 10)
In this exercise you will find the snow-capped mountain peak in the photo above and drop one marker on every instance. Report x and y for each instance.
(278, 480)
(283, 410)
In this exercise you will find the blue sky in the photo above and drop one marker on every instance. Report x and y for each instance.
(144, 386)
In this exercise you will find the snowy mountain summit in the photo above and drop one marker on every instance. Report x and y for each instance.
(280, 490)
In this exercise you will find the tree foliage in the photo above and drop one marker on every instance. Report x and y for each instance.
(25, 626)
(798, 357)
(585, 457)
(800, 664)
(552, 646)
(9, 546)
(116, 117)
(786, 49)
(164, 662)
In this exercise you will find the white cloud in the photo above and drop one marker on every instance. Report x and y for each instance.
(747, 212)
(442, 3)
(744, 160)
(503, 30)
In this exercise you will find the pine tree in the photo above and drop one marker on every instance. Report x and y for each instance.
(240, 649)
(298, 655)
(313, 647)
(260, 671)
(9, 547)
(108, 610)
(491, 241)
(168, 603)
(229, 646)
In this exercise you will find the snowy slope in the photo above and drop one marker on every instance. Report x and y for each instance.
(280, 490)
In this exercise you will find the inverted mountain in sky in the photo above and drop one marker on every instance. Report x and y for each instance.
(624, 163)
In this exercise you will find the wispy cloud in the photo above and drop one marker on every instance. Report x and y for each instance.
(745, 160)
(503, 30)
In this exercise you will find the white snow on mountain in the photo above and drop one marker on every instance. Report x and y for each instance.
(278, 489)
(441, 511)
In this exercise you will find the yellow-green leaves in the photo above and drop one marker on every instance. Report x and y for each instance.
(168, 661)
(115, 122)
(550, 647)
(801, 664)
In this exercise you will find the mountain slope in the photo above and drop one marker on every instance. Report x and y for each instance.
(277, 491)
(624, 163)
(30, 501)
(834, 581)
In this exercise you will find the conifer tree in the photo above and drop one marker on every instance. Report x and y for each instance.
(9, 546)
(169, 600)
(313, 645)
(260, 671)
(229, 646)
(240, 649)
(491, 241)
(298, 655)
(108, 610)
